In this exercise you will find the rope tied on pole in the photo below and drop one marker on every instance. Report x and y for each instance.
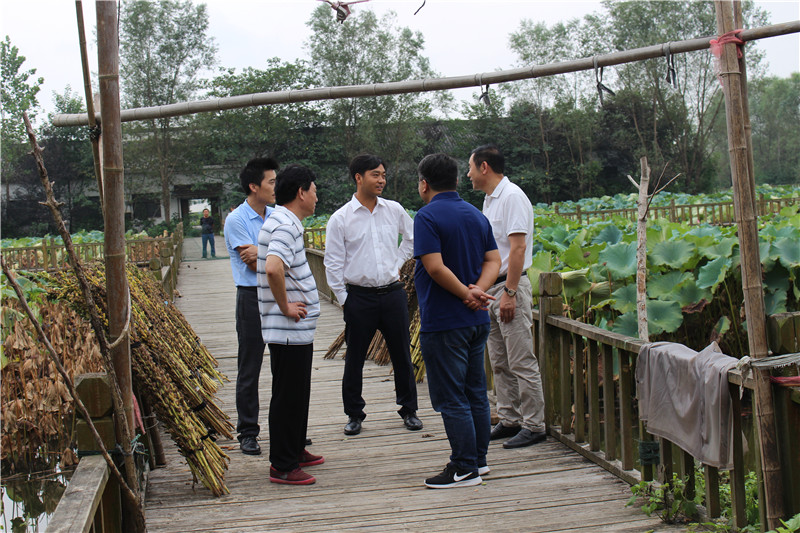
(672, 75)
(726, 38)
(598, 76)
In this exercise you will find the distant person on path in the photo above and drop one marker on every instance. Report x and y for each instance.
(457, 262)
(518, 383)
(289, 307)
(362, 265)
(207, 232)
(241, 239)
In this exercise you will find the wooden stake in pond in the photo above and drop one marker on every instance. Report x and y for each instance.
(744, 207)
(641, 250)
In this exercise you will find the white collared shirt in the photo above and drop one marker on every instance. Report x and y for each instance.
(361, 247)
(510, 211)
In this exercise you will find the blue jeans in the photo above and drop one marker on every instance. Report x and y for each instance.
(457, 386)
(208, 237)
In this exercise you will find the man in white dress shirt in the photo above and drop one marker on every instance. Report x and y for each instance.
(362, 264)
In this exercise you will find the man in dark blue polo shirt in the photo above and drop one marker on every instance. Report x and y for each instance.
(457, 261)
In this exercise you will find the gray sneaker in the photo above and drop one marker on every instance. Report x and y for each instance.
(525, 437)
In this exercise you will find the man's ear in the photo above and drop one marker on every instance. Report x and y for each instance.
(252, 187)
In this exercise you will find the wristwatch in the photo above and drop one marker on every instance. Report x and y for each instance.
(510, 292)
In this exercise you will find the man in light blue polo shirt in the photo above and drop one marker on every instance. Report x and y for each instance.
(241, 238)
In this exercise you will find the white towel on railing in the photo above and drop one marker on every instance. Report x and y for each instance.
(684, 397)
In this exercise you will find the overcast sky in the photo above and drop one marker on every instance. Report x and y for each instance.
(461, 36)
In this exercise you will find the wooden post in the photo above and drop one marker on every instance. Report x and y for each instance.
(641, 250)
(746, 221)
(114, 236)
(87, 86)
(95, 393)
(550, 303)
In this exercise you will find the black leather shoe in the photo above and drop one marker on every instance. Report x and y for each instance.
(353, 426)
(525, 437)
(308, 442)
(503, 432)
(412, 422)
(249, 445)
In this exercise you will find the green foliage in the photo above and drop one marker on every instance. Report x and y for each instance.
(694, 276)
(164, 47)
(18, 94)
(672, 505)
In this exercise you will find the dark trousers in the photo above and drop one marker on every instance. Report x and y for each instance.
(364, 313)
(288, 408)
(248, 362)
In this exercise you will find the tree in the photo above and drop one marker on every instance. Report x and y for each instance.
(690, 108)
(164, 46)
(70, 165)
(775, 118)
(367, 50)
(17, 95)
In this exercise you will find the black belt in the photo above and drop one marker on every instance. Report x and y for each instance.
(504, 277)
(247, 288)
(383, 289)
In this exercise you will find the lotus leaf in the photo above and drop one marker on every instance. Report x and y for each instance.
(765, 252)
(722, 326)
(674, 254)
(624, 299)
(620, 259)
(542, 262)
(689, 294)
(610, 235)
(573, 256)
(627, 324)
(704, 230)
(722, 248)
(663, 316)
(575, 283)
(713, 273)
(775, 302)
(788, 251)
(776, 279)
(664, 286)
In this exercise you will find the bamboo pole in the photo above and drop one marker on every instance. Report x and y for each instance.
(746, 221)
(90, 114)
(114, 234)
(427, 85)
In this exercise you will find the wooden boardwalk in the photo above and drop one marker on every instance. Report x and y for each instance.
(372, 481)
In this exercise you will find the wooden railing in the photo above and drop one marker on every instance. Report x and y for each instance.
(588, 378)
(717, 213)
(162, 254)
(79, 510)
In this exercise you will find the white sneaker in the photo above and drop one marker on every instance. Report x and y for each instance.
(483, 470)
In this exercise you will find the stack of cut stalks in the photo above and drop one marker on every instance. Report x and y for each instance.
(171, 368)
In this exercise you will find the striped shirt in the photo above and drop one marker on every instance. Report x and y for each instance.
(282, 236)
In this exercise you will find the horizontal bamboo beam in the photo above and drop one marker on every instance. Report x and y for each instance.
(425, 85)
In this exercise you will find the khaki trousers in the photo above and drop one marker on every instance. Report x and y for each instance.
(517, 381)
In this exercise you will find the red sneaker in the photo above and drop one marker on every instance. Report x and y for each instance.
(295, 477)
(309, 459)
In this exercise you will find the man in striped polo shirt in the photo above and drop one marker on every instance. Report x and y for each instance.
(289, 307)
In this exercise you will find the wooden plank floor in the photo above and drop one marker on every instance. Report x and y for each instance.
(372, 481)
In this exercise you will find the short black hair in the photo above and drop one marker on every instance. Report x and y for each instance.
(492, 155)
(364, 162)
(290, 180)
(253, 172)
(440, 171)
